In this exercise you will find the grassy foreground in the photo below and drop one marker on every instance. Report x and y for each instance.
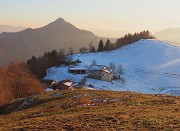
(93, 110)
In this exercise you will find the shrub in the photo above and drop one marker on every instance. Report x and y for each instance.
(17, 81)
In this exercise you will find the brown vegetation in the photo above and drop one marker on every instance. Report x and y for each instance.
(17, 81)
(5, 94)
(93, 111)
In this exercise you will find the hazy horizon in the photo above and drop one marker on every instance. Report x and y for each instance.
(115, 15)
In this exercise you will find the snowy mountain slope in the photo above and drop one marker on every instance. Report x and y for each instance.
(151, 55)
(150, 66)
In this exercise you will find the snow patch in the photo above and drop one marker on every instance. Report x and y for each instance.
(68, 83)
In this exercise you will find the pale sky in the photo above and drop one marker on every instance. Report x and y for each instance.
(117, 15)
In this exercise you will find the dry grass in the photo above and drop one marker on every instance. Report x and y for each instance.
(93, 110)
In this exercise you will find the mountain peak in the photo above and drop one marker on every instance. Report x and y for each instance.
(60, 20)
(60, 23)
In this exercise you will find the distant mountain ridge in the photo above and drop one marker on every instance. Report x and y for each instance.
(7, 28)
(108, 33)
(56, 35)
(170, 34)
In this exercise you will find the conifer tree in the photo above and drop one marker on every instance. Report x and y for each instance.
(92, 48)
(108, 45)
(101, 46)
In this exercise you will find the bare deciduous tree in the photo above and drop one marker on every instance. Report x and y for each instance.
(5, 93)
(17, 81)
(120, 70)
(20, 80)
(94, 62)
(112, 66)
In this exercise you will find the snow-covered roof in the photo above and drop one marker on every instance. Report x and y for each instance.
(100, 68)
(96, 67)
(107, 70)
(78, 68)
(66, 83)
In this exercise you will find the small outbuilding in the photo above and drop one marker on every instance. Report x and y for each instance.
(77, 70)
(65, 85)
(48, 83)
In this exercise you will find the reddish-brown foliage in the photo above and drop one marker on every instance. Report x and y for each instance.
(17, 81)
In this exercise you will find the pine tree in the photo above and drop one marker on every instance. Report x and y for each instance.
(101, 46)
(108, 45)
(83, 49)
(92, 48)
(129, 38)
(112, 46)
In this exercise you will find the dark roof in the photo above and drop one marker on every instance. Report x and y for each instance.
(97, 67)
(47, 82)
(77, 68)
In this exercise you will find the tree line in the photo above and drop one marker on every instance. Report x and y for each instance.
(39, 65)
(126, 40)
